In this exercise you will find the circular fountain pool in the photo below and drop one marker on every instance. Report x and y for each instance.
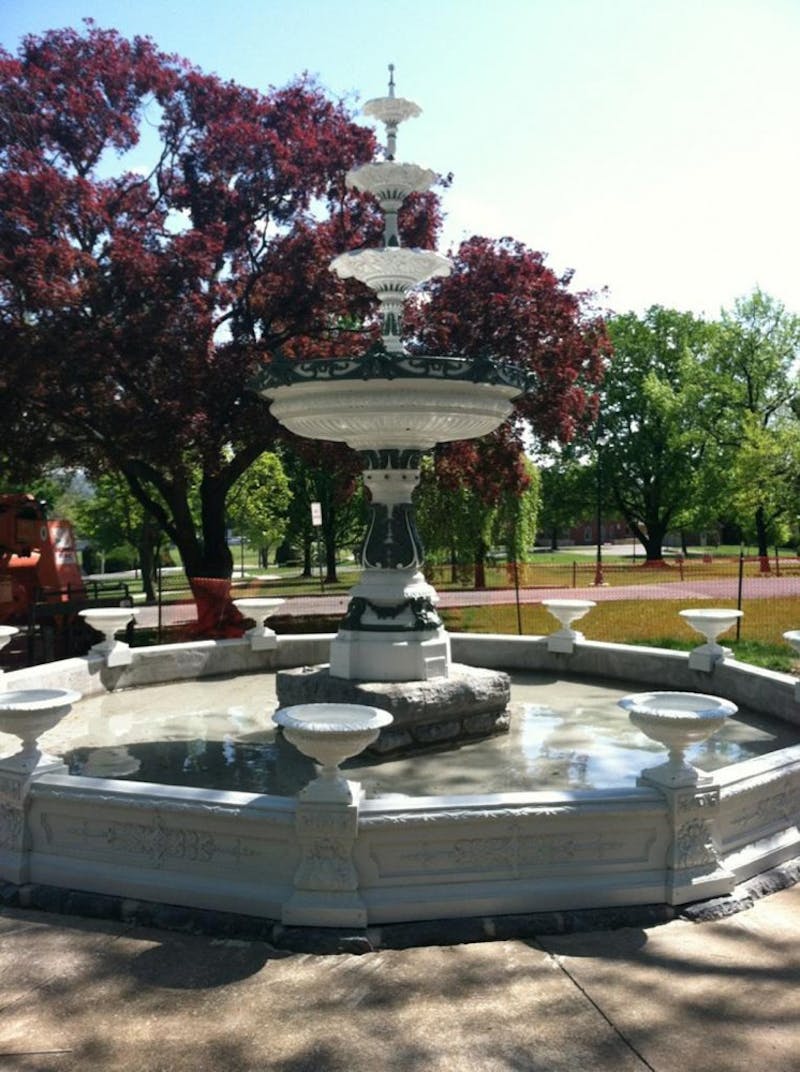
(565, 735)
(559, 814)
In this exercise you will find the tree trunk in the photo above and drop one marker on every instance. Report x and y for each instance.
(148, 545)
(652, 539)
(207, 559)
(329, 539)
(480, 565)
(210, 568)
(308, 565)
(554, 539)
(684, 548)
(761, 539)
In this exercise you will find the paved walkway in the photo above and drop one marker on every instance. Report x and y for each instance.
(683, 997)
(766, 587)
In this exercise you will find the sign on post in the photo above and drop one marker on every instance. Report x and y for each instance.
(316, 514)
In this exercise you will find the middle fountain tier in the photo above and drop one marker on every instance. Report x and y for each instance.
(392, 407)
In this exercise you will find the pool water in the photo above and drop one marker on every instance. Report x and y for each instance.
(217, 733)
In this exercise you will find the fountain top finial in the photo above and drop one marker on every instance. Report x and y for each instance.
(391, 111)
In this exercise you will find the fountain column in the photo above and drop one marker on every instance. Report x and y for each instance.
(391, 631)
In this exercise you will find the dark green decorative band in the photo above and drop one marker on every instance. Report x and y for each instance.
(377, 363)
(422, 609)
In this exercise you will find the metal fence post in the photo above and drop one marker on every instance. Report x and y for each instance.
(739, 594)
(516, 593)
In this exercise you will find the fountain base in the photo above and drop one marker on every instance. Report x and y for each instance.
(359, 655)
(469, 703)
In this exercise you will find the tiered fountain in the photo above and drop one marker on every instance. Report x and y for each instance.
(392, 407)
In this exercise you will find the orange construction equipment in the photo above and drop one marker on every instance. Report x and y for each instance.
(38, 558)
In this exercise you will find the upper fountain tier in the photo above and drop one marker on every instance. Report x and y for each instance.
(388, 399)
(391, 271)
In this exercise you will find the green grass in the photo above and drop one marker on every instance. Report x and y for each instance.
(646, 622)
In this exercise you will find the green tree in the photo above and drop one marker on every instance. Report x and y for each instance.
(326, 473)
(111, 517)
(765, 481)
(258, 504)
(655, 440)
(569, 495)
(755, 394)
(462, 512)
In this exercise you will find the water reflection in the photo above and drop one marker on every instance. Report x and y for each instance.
(222, 738)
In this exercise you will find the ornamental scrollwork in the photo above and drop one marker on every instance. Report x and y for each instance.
(694, 844)
(423, 612)
(11, 827)
(378, 363)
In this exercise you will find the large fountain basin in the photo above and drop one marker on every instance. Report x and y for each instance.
(425, 857)
(385, 414)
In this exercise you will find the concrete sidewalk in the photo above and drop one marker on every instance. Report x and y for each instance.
(683, 997)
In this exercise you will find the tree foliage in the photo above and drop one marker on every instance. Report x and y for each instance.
(258, 503)
(463, 512)
(326, 473)
(654, 440)
(134, 308)
(502, 299)
(755, 393)
(110, 518)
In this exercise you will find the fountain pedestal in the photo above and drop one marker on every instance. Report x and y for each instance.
(326, 821)
(25, 714)
(677, 720)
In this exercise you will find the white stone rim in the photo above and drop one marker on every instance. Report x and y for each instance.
(254, 603)
(109, 614)
(569, 604)
(331, 719)
(711, 614)
(661, 705)
(22, 701)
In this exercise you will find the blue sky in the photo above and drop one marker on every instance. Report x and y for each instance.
(651, 145)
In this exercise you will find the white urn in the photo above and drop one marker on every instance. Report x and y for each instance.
(566, 611)
(109, 621)
(6, 633)
(330, 733)
(676, 720)
(710, 622)
(792, 637)
(27, 714)
(262, 638)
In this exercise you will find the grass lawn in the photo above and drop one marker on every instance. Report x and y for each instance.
(653, 622)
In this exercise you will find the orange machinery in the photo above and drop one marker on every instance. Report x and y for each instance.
(38, 558)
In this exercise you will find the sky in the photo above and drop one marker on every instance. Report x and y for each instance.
(652, 146)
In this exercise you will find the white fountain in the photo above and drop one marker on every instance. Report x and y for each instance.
(392, 407)
(330, 857)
